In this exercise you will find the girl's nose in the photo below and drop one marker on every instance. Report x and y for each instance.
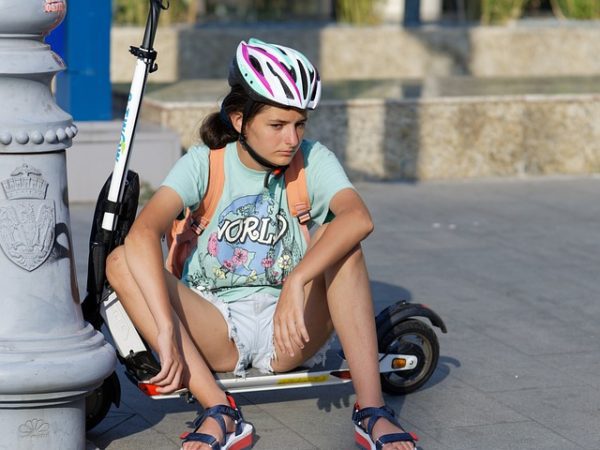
(292, 136)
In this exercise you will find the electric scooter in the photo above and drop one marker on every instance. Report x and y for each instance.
(408, 345)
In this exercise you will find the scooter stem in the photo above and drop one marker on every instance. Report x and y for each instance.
(146, 56)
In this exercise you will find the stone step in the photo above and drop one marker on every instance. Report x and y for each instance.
(436, 128)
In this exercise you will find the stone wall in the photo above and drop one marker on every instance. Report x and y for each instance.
(545, 48)
(454, 138)
(476, 101)
(440, 134)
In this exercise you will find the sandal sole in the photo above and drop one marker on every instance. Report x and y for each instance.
(243, 441)
(363, 441)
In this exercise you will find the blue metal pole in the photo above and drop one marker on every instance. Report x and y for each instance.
(84, 89)
(412, 12)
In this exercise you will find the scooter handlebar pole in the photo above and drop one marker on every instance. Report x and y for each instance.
(151, 23)
(146, 57)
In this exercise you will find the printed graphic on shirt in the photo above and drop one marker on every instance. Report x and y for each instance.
(252, 246)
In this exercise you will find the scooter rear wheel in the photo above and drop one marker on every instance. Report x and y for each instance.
(411, 337)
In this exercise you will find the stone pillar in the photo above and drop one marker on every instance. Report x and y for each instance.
(49, 357)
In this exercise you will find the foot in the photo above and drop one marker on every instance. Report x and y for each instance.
(378, 427)
(212, 428)
(383, 427)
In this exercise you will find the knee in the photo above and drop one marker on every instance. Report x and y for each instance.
(351, 264)
(116, 265)
(355, 255)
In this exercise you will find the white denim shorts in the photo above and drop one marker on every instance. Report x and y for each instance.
(250, 324)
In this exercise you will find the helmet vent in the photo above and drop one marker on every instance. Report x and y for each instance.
(304, 82)
(292, 73)
(283, 84)
(256, 64)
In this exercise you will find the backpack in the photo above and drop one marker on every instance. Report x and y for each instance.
(183, 236)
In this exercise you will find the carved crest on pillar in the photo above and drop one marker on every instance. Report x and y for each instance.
(27, 218)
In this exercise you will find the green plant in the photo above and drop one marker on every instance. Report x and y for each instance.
(356, 11)
(576, 9)
(501, 11)
(135, 12)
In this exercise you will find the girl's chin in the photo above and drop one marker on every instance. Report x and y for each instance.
(282, 159)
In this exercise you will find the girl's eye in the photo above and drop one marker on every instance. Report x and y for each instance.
(277, 126)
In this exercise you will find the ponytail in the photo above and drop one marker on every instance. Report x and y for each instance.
(215, 133)
(217, 130)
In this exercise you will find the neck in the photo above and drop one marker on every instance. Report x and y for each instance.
(251, 158)
(247, 160)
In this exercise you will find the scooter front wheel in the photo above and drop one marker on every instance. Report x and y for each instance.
(410, 337)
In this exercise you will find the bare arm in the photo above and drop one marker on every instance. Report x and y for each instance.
(351, 225)
(145, 261)
(144, 253)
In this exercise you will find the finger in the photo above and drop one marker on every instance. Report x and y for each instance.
(178, 381)
(164, 370)
(172, 373)
(167, 377)
(295, 336)
(178, 377)
(170, 383)
(302, 330)
(287, 342)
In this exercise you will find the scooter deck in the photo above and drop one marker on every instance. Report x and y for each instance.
(334, 372)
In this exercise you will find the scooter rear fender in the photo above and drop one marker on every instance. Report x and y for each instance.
(403, 310)
(116, 388)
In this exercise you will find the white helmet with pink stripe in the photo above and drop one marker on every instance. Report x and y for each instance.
(275, 74)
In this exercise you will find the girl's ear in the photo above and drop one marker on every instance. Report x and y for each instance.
(236, 121)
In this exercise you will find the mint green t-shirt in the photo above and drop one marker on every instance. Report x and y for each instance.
(252, 242)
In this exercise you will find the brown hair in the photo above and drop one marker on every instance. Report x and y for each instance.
(217, 130)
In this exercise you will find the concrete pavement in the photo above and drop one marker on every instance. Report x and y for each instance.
(511, 265)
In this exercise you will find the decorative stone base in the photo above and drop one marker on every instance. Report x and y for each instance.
(60, 426)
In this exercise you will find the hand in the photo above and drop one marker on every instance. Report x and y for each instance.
(289, 328)
(169, 354)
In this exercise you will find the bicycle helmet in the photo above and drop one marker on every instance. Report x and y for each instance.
(276, 75)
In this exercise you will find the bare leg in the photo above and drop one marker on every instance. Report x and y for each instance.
(201, 328)
(343, 298)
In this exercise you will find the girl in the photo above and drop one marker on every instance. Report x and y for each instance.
(254, 292)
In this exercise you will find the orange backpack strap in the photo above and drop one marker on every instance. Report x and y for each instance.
(297, 192)
(214, 190)
(183, 236)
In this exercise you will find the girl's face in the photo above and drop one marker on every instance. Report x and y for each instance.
(274, 133)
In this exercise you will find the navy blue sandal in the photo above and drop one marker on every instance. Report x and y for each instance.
(241, 439)
(362, 435)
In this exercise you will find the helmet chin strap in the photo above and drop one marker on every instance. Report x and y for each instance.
(273, 168)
